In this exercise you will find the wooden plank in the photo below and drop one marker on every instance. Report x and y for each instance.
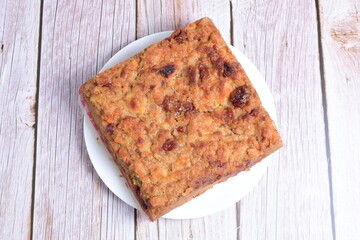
(160, 15)
(220, 225)
(157, 16)
(293, 200)
(71, 202)
(340, 28)
(19, 34)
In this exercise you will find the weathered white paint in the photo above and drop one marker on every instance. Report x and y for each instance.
(71, 202)
(340, 28)
(19, 33)
(293, 200)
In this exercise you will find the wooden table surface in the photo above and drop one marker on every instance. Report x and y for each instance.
(309, 53)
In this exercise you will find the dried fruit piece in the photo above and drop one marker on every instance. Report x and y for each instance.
(215, 58)
(108, 85)
(219, 164)
(167, 70)
(182, 129)
(151, 87)
(180, 36)
(228, 115)
(192, 75)
(110, 128)
(169, 145)
(254, 112)
(203, 71)
(171, 105)
(187, 106)
(228, 70)
(210, 178)
(240, 96)
(167, 104)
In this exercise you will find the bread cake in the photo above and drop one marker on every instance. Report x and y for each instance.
(180, 117)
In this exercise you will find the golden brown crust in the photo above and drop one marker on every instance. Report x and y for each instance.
(179, 117)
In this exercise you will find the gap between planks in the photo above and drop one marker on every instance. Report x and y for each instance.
(326, 121)
(232, 44)
(36, 107)
(136, 37)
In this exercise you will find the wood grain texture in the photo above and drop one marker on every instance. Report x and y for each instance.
(161, 15)
(71, 202)
(157, 16)
(340, 28)
(19, 32)
(311, 188)
(293, 199)
(220, 225)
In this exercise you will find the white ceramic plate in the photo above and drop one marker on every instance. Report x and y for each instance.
(221, 195)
